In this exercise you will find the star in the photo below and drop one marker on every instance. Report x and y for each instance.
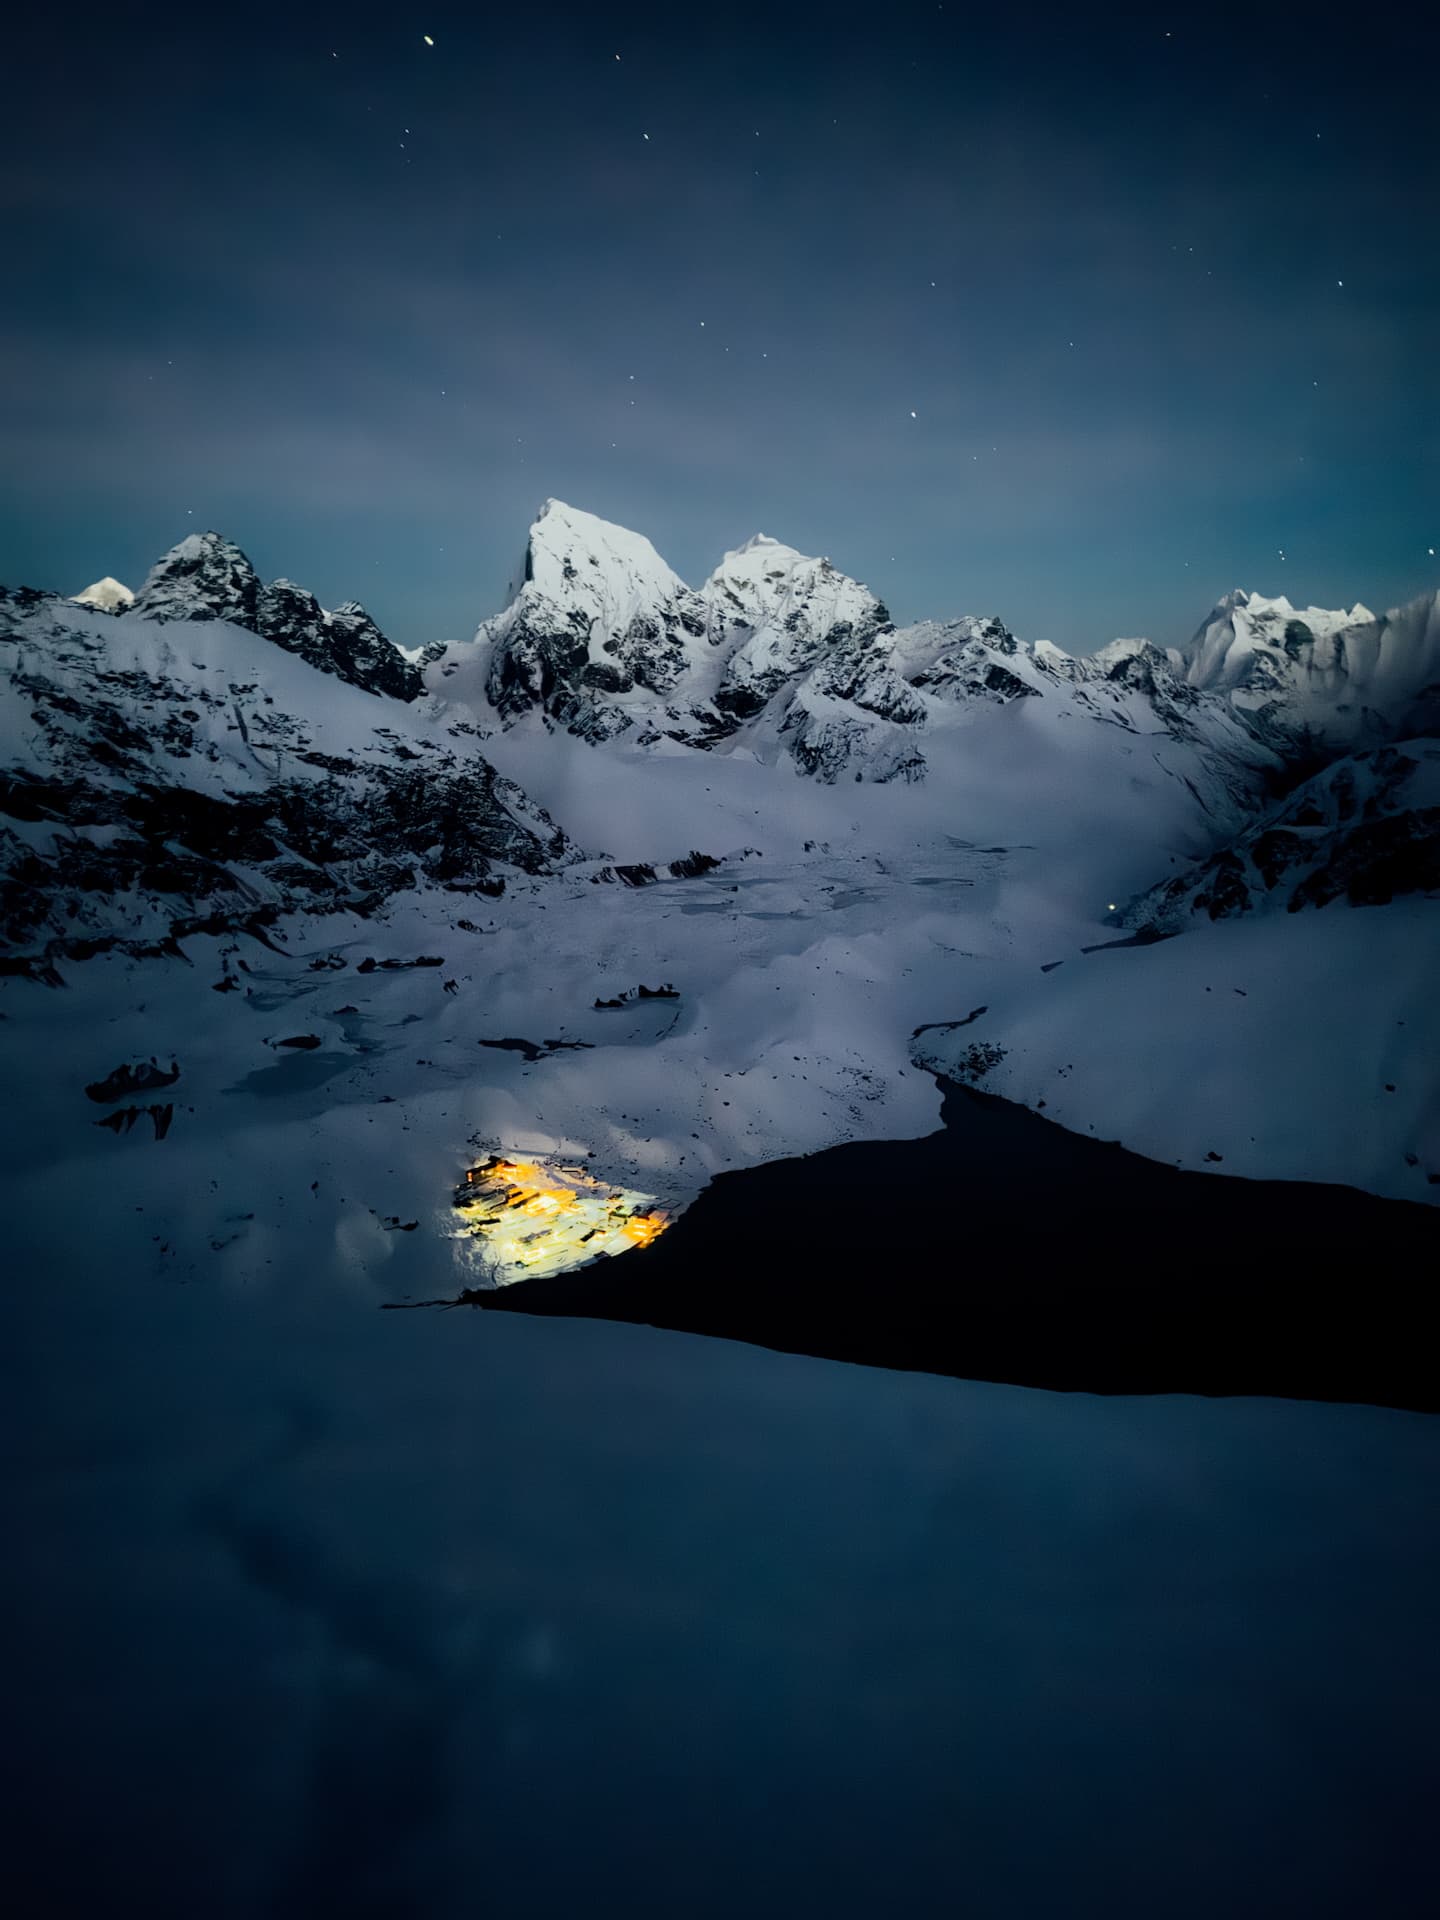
(913, 414)
(426, 38)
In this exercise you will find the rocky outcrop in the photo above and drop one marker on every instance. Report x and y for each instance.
(162, 790)
(346, 642)
(787, 656)
(204, 577)
(1365, 830)
(207, 577)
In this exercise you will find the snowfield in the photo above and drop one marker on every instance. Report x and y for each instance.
(313, 837)
(443, 1612)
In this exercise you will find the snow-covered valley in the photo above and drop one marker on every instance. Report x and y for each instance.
(370, 1609)
(402, 933)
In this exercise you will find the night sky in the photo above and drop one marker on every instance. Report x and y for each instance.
(1074, 316)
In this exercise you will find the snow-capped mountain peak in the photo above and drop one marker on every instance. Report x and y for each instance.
(207, 577)
(203, 577)
(1353, 678)
(106, 595)
(578, 558)
(602, 636)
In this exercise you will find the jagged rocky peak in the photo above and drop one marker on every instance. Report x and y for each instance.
(597, 614)
(346, 642)
(207, 577)
(204, 577)
(106, 595)
(1135, 663)
(783, 610)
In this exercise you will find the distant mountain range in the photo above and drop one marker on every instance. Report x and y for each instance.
(777, 655)
(215, 759)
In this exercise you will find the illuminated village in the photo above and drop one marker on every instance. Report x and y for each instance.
(535, 1219)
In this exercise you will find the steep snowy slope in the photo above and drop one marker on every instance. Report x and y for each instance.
(598, 627)
(1352, 679)
(1366, 829)
(159, 776)
(1290, 1046)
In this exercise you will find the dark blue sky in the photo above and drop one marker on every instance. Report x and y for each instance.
(362, 303)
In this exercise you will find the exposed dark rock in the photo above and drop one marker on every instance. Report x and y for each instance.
(205, 577)
(397, 966)
(346, 642)
(538, 1050)
(948, 1026)
(1360, 830)
(321, 833)
(126, 1080)
(693, 865)
(635, 994)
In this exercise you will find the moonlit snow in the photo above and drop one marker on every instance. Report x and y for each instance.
(424, 1611)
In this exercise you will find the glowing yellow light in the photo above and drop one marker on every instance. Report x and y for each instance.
(644, 1227)
(537, 1219)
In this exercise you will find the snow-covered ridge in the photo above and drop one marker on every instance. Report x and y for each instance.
(603, 638)
(783, 656)
(1352, 679)
(207, 577)
(158, 777)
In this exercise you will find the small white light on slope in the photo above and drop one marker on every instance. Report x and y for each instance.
(1111, 907)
